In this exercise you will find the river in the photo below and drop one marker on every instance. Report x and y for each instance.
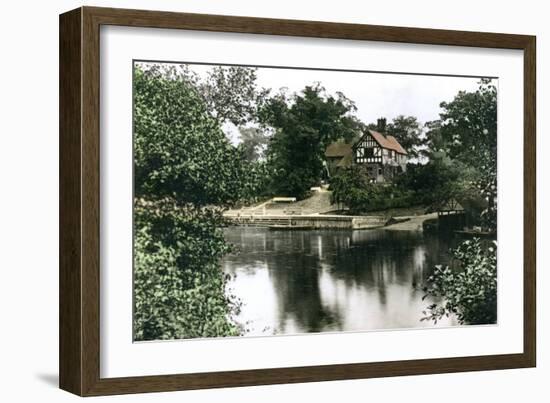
(292, 282)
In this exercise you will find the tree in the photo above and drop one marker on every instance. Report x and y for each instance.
(345, 183)
(407, 130)
(467, 133)
(186, 171)
(253, 141)
(433, 182)
(304, 125)
(180, 151)
(469, 125)
(231, 94)
(434, 143)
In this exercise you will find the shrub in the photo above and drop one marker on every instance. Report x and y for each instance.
(179, 290)
(433, 182)
(352, 188)
(469, 291)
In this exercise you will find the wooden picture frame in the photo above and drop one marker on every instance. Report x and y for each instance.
(79, 348)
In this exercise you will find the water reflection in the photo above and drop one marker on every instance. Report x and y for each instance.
(331, 280)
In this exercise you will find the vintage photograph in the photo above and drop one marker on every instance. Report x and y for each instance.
(271, 200)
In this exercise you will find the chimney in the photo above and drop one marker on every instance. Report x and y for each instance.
(381, 125)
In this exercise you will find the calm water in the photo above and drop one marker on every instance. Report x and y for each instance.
(331, 280)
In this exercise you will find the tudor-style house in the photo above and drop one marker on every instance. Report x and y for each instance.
(381, 156)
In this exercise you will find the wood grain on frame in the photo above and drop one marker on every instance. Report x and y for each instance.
(79, 200)
(70, 319)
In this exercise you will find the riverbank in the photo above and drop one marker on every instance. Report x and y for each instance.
(411, 223)
(318, 212)
(320, 221)
(311, 221)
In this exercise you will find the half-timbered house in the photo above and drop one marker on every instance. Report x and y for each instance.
(381, 156)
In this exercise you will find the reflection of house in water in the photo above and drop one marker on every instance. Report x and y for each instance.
(381, 156)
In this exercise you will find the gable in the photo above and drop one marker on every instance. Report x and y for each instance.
(366, 141)
(366, 149)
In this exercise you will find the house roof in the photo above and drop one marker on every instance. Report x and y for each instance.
(388, 142)
(344, 150)
(396, 146)
(338, 149)
(451, 204)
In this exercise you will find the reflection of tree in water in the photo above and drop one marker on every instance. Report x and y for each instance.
(314, 273)
(375, 259)
(295, 276)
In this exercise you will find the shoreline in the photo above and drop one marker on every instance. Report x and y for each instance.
(325, 221)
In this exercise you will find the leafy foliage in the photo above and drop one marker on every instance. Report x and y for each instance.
(231, 94)
(304, 126)
(346, 182)
(469, 292)
(469, 125)
(184, 166)
(431, 183)
(467, 133)
(180, 151)
(422, 184)
(466, 136)
(352, 188)
(179, 290)
(253, 142)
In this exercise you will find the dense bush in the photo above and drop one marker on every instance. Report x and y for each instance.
(430, 183)
(375, 197)
(352, 188)
(421, 185)
(468, 291)
(179, 290)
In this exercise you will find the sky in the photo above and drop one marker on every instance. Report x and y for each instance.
(375, 94)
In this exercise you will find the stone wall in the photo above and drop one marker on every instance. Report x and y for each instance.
(312, 221)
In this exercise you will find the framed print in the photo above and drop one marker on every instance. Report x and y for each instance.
(249, 201)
